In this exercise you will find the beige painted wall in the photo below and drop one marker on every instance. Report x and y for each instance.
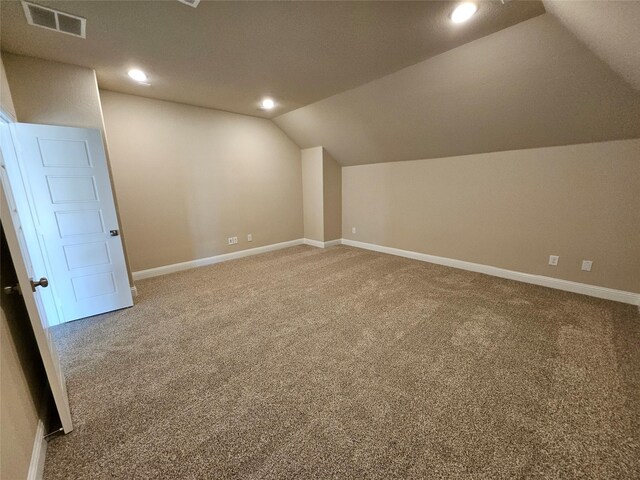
(332, 197)
(21, 380)
(509, 209)
(53, 93)
(56, 93)
(188, 178)
(18, 410)
(5, 94)
(313, 193)
(322, 193)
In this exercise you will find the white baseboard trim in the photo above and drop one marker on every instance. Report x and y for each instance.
(319, 244)
(38, 454)
(333, 243)
(566, 285)
(134, 291)
(313, 243)
(201, 262)
(559, 284)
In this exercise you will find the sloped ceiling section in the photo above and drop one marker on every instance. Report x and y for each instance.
(530, 85)
(228, 55)
(610, 29)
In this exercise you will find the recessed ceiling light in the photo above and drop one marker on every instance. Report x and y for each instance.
(138, 75)
(191, 3)
(267, 104)
(463, 12)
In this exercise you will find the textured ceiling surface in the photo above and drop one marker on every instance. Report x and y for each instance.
(530, 85)
(227, 55)
(611, 29)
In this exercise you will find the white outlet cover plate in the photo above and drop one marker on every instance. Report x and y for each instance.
(553, 260)
(586, 265)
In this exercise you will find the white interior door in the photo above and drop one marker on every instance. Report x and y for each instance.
(67, 183)
(37, 261)
(31, 294)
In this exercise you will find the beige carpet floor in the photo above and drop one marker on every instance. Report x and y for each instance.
(344, 363)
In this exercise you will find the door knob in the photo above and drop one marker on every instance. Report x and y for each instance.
(43, 282)
(114, 233)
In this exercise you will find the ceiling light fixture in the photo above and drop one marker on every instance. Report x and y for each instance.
(191, 3)
(138, 75)
(267, 104)
(463, 12)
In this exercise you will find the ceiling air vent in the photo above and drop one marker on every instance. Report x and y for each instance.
(191, 3)
(54, 20)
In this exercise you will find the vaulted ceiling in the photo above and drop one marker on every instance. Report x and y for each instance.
(227, 55)
(610, 29)
(530, 85)
(372, 81)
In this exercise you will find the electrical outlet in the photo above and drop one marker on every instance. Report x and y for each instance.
(235, 240)
(586, 265)
(232, 240)
(553, 260)
(353, 229)
(249, 238)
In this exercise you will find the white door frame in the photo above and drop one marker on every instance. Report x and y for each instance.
(32, 299)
